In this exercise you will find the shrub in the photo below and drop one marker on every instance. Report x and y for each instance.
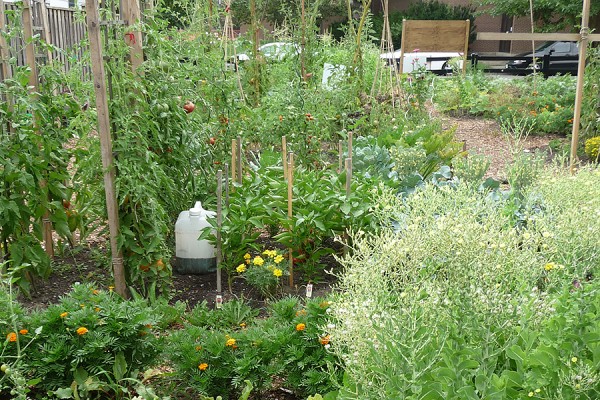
(592, 148)
(456, 300)
(92, 333)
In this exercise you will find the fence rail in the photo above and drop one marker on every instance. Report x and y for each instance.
(65, 33)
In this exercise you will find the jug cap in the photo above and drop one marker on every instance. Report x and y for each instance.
(197, 210)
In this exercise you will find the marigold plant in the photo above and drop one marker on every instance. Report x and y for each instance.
(264, 272)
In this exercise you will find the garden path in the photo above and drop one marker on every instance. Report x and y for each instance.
(484, 136)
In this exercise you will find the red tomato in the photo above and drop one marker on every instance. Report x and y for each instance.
(189, 107)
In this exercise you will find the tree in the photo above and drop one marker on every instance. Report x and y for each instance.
(278, 11)
(549, 15)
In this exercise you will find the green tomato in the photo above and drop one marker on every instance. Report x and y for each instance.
(4, 368)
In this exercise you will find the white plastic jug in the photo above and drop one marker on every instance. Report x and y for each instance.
(193, 256)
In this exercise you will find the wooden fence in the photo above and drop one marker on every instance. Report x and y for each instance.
(62, 28)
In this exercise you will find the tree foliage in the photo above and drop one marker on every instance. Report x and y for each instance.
(277, 12)
(549, 15)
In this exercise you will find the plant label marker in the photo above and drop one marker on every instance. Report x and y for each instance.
(219, 302)
(309, 289)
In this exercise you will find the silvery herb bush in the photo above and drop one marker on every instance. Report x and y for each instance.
(454, 300)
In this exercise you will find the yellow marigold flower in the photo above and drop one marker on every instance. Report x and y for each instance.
(97, 309)
(12, 337)
(64, 315)
(230, 342)
(82, 331)
(279, 258)
(247, 256)
(549, 266)
(243, 325)
(300, 312)
(258, 260)
(203, 366)
(241, 268)
(300, 327)
(324, 304)
(23, 331)
(574, 359)
(111, 288)
(277, 272)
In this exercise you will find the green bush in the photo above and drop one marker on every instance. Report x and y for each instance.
(456, 300)
(592, 148)
(90, 332)
(290, 343)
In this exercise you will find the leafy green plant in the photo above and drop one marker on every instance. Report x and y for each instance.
(592, 148)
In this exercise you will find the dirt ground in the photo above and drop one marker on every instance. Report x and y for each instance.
(89, 263)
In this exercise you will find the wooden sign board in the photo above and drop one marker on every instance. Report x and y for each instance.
(435, 36)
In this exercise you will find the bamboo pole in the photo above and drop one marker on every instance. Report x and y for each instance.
(290, 193)
(583, 43)
(303, 40)
(219, 225)
(233, 163)
(4, 57)
(284, 155)
(34, 85)
(348, 166)
(340, 156)
(239, 160)
(227, 185)
(93, 25)
(350, 134)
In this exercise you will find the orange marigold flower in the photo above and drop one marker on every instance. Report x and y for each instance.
(198, 348)
(95, 291)
(309, 117)
(82, 330)
(570, 121)
(325, 340)
(280, 118)
(300, 327)
(300, 313)
(230, 342)
(63, 315)
(23, 331)
(203, 366)
(97, 309)
(12, 337)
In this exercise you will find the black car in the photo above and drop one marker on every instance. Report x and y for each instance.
(563, 59)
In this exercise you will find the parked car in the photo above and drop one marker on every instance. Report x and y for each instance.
(276, 51)
(526, 66)
(416, 60)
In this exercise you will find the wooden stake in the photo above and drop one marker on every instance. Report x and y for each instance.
(34, 85)
(132, 15)
(233, 163)
(219, 225)
(348, 191)
(239, 160)
(284, 155)
(227, 185)
(93, 25)
(290, 180)
(4, 57)
(350, 134)
(340, 156)
(583, 43)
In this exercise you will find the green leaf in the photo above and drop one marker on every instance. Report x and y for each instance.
(512, 378)
(64, 393)
(120, 366)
